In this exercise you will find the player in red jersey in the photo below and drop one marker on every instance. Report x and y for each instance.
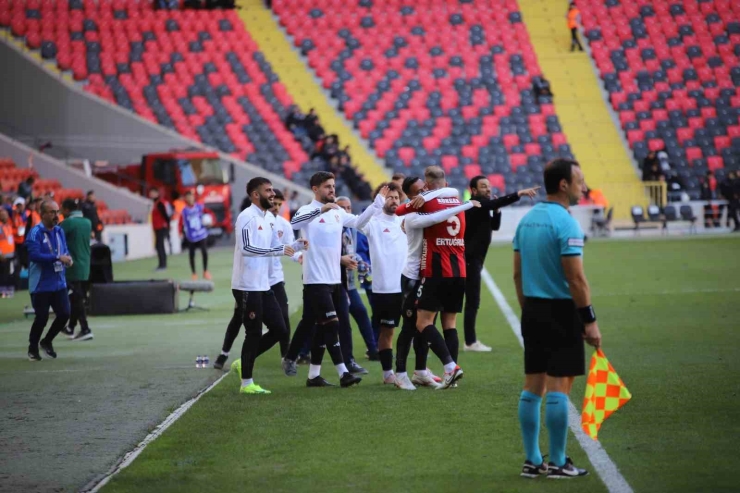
(443, 276)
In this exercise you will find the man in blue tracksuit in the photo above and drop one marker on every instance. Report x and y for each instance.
(48, 257)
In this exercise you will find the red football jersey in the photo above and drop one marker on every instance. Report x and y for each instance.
(443, 249)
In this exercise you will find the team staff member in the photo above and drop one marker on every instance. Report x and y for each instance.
(387, 243)
(77, 231)
(351, 303)
(250, 284)
(556, 316)
(48, 257)
(480, 222)
(191, 224)
(322, 222)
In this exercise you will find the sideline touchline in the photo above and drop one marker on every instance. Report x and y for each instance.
(605, 467)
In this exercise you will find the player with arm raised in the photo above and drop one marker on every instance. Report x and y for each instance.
(414, 223)
(321, 222)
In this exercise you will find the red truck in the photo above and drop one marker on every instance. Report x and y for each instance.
(180, 171)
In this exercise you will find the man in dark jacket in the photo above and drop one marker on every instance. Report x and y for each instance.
(90, 210)
(49, 257)
(77, 230)
(480, 222)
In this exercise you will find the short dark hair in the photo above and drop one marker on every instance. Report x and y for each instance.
(319, 178)
(408, 183)
(393, 187)
(279, 195)
(69, 204)
(398, 176)
(188, 192)
(474, 181)
(556, 170)
(255, 183)
(90, 192)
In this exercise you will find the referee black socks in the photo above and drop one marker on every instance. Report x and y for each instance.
(453, 343)
(437, 344)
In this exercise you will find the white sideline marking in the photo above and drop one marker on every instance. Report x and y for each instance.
(605, 467)
(133, 454)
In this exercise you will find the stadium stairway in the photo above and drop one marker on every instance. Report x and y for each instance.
(300, 84)
(581, 107)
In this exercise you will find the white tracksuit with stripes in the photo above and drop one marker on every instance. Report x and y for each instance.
(256, 241)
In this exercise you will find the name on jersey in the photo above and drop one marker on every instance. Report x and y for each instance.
(450, 242)
(449, 201)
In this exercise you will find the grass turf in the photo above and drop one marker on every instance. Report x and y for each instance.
(668, 311)
(67, 420)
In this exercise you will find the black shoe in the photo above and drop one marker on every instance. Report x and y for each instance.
(356, 369)
(69, 332)
(529, 470)
(374, 356)
(84, 335)
(303, 360)
(220, 362)
(319, 382)
(349, 380)
(566, 472)
(48, 349)
(34, 355)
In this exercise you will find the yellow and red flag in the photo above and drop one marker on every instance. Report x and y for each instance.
(605, 393)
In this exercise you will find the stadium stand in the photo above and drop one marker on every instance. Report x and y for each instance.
(195, 72)
(433, 82)
(672, 73)
(11, 176)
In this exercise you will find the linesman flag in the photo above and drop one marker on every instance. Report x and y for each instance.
(605, 393)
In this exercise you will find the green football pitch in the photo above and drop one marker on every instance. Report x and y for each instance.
(669, 312)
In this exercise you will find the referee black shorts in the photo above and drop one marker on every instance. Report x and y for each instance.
(387, 308)
(320, 302)
(553, 338)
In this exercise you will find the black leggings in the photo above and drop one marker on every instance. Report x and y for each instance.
(574, 41)
(204, 251)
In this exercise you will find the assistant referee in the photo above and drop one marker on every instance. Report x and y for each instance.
(556, 316)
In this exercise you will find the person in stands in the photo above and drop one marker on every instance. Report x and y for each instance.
(25, 188)
(574, 19)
